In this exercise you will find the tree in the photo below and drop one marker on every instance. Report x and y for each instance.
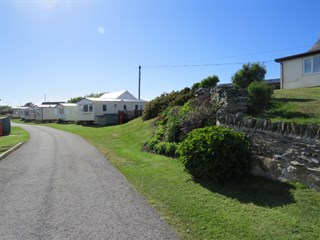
(249, 73)
(77, 99)
(209, 82)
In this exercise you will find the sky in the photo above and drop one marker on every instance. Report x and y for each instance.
(57, 50)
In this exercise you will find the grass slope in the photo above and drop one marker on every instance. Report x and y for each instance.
(16, 136)
(253, 208)
(296, 105)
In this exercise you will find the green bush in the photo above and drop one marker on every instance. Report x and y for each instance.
(159, 104)
(215, 153)
(172, 127)
(259, 94)
(166, 148)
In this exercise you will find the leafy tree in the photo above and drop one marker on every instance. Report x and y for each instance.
(75, 100)
(5, 110)
(92, 95)
(209, 82)
(249, 73)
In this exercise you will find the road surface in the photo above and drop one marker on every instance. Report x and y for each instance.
(58, 186)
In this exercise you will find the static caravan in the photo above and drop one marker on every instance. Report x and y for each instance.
(29, 114)
(109, 108)
(67, 112)
(45, 112)
(23, 111)
(16, 112)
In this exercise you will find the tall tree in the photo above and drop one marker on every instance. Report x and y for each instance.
(249, 73)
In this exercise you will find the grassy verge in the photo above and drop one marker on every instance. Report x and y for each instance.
(296, 105)
(16, 136)
(252, 208)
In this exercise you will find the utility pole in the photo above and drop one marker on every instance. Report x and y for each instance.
(139, 82)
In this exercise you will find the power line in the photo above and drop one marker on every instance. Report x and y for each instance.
(200, 65)
(98, 83)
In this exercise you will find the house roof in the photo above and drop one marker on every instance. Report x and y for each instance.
(113, 100)
(68, 104)
(51, 103)
(315, 47)
(124, 94)
(46, 106)
(273, 81)
(312, 51)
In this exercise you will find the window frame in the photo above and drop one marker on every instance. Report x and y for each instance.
(312, 62)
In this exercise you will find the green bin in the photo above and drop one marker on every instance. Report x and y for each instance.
(6, 126)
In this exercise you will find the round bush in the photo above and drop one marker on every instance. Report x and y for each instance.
(216, 153)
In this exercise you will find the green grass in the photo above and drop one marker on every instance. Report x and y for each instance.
(16, 136)
(251, 208)
(296, 105)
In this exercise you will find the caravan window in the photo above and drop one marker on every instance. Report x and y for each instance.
(87, 108)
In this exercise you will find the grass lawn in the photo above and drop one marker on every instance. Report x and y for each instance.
(252, 208)
(16, 136)
(296, 105)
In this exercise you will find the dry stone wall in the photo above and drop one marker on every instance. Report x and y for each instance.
(282, 151)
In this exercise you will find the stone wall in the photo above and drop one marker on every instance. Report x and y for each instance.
(230, 100)
(282, 151)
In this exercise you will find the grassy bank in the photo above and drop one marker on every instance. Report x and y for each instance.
(16, 136)
(252, 208)
(296, 105)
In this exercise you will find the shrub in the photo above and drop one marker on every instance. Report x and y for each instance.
(172, 127)
(215, 153)
(259, 94)
(159, 104)
(166, 148)
(197, 113)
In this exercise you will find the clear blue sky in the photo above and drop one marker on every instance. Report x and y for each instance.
(65, 49)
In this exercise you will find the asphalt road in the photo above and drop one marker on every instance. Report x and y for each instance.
(58, 186)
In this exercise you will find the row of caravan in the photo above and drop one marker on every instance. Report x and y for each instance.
(110, 108)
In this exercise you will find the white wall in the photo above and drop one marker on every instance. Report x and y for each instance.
(293, 76)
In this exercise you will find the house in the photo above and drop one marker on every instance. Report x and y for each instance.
(301, 70)
(110, 108)
(45, 112)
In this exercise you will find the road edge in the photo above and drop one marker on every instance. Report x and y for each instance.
(9, 151)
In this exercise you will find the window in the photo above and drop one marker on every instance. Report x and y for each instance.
(124, 107)
(316, 64)
(87, 108)
(104, 107)
(61, 111)
(136, 107)
(311, 65)
(307, 65)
